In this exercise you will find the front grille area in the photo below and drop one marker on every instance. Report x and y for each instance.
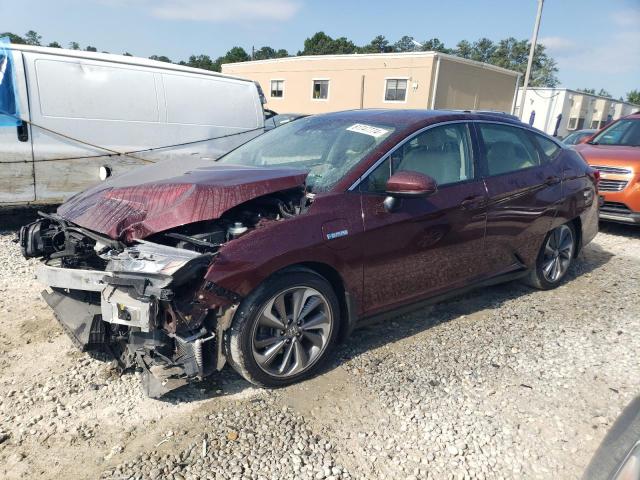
(603, 169)
(606, 185)
(615, 207)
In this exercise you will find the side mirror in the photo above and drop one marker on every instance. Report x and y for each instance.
(407, 184)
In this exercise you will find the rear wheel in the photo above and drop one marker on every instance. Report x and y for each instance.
(554, 258)
(284, 330)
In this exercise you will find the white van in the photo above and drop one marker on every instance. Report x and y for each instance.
(78, 110)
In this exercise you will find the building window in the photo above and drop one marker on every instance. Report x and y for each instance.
(320, 89)
(575, 123)
(396, 90)
(277, 88)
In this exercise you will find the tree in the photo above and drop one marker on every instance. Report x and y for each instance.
(74, 45)
(319, 44)
(633, 97)
(514, 54)
(405, 44)
(127, 54)
(592, 91)
(13, 38)
(54, 45)
(91, 49)
(202, 61)
(483, 50)
(343, 45)
(265, 53)
(378, 45)
(434, 45)
(159, 58)
(235, 55)
(463, 49)
(32, 38)
(322, 44)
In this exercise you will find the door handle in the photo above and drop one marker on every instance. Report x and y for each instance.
(472, 203)
(23, 131)
(552, 180)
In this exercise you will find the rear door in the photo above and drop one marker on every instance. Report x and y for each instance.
(525, 190)
(16, 156)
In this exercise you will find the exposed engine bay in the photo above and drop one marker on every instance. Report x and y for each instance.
(147, 301)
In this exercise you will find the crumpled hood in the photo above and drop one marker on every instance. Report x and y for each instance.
(163, 196)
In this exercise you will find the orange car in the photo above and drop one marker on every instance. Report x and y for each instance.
(615, 152)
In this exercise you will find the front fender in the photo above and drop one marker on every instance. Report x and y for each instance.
(249, 260)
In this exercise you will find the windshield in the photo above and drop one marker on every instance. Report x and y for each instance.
(575, 137)
(326, 147)
(623, 132)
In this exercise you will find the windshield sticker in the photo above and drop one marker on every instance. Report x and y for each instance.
(368, 130)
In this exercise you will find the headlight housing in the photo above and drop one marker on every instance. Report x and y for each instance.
(151, 258)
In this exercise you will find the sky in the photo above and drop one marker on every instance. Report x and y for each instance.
(595, 43)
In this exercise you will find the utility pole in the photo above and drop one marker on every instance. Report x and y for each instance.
(532, 50)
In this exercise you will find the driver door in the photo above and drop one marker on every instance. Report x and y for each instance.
(426, 246)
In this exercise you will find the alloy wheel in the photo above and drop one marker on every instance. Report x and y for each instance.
(292, 331)
(558, 252)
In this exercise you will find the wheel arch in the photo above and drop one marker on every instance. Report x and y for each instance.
(347, 317)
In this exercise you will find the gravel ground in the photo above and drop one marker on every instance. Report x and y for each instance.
(505, 382)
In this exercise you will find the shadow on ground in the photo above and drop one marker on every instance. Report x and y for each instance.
(620, 230)
(372, 336)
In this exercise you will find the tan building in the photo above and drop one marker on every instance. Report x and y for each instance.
(328, 83)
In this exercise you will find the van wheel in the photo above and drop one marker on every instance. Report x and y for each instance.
(284, 330)
(554, 258)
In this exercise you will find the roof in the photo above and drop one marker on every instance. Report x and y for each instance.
(358, 56)
(578, 92)
(114, 58)
(408, 119)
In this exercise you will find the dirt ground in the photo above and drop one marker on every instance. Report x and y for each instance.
(503, 382)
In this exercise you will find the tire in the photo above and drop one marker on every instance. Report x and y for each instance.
(558, 248)
(301, 343)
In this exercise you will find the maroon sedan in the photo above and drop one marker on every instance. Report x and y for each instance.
(269, 255)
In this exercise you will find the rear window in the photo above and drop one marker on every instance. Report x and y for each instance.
(550, 148)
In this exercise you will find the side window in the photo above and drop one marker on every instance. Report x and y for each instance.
(507, 148)
(376, 182)
(550, 149)
(443, 153)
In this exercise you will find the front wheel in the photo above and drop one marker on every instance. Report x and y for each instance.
(554, 258)
(283, 331)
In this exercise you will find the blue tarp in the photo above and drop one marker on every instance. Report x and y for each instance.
(9, 105)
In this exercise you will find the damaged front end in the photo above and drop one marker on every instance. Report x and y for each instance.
(147, 302)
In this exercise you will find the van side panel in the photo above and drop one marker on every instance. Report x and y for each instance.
(126, 108)
(16, 157)
(107, 105)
